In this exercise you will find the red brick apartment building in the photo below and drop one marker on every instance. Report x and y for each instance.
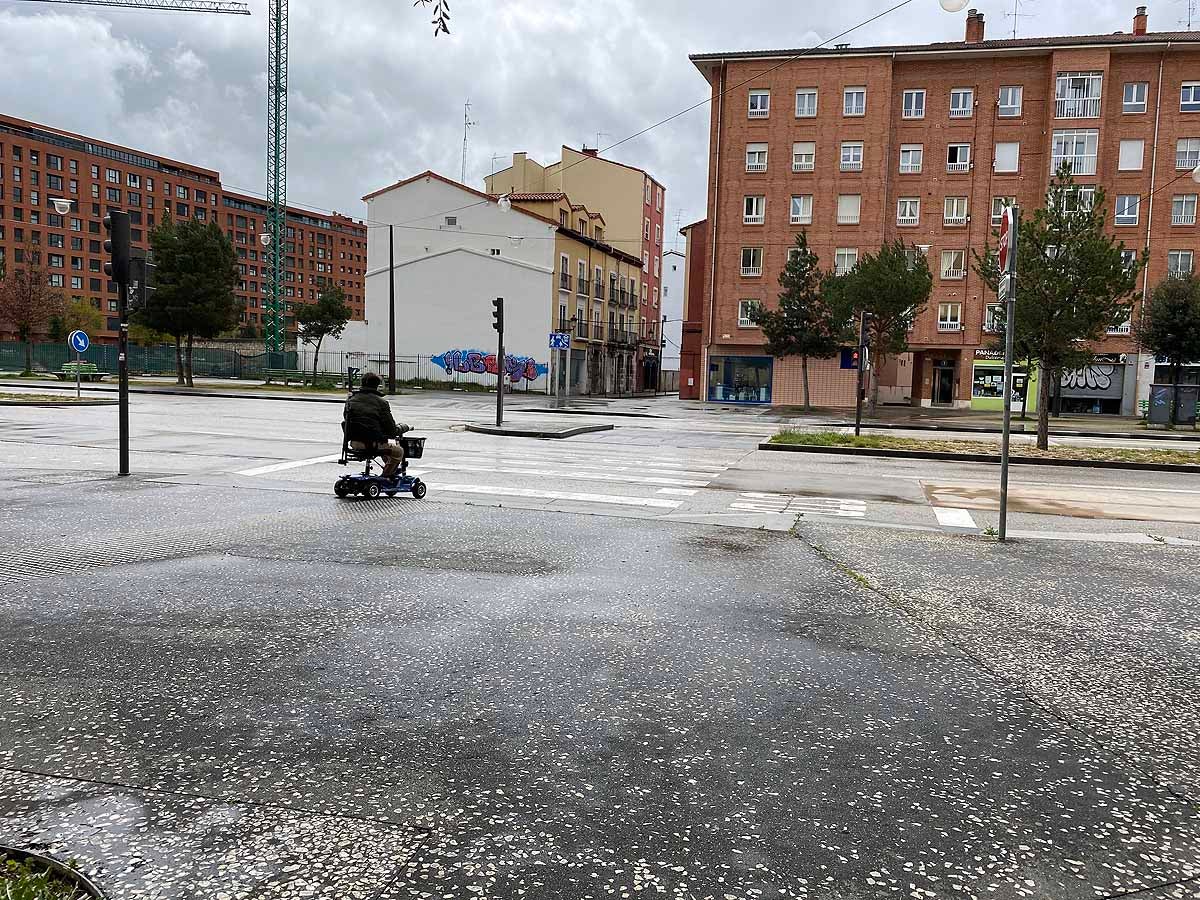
(925, 143)
(38, 163)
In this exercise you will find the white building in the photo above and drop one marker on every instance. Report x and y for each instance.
(455, 251)
(674, 268)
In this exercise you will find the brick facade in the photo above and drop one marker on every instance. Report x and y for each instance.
(952, 328)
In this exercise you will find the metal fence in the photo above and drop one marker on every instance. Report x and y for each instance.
(207, 362)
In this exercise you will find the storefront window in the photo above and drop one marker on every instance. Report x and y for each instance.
(740, 379)
(988, 382)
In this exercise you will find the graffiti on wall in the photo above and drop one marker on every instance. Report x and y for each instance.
(479, 362)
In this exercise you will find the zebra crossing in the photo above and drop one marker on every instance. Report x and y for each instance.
(792, 505)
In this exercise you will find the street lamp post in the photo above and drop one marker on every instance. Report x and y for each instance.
(391, 309)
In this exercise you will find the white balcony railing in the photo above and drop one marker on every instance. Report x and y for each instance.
(949, 326)
(843, 269)
(851, 166)
(958, 167)
(1127, 328)
(851, 219)
(800, 220)
(954, 274)
(1186, 161)
(759, 113)
(910, 168)
(954, 220)
(1183, 218)
(751, 271)
(906, 220)
(1178, 273)
(798, 166)
(756, 167)
(1077, 108)
(960, 112)
(753, 220)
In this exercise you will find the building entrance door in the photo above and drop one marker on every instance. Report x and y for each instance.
(943, 383)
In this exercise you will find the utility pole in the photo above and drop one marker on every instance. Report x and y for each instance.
(498, 324)
(662, 350)
(1009, 223)
(116, 224)
(391, 309)
(467, 125)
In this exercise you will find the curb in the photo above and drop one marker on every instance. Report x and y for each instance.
(507, 431)
(60, 869)
(588, 412)
(983, 458)
(196, 392)
(56, 404)
(1056, 432)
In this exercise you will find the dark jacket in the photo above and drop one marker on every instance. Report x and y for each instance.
(368, 418)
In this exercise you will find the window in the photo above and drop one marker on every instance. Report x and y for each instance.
(852, 156)
(958, 158)
(76, 283)
(854, 101)
(746, 310)
(993, 317)
(756, 158)
(804, 156)
(844, 259)
(55, 240)
(112, 176)
(648, 180)
(752, 261)
(54, 163)
(997, 208)
(657, 235)
(1129, 158)
(962, 103)
(1009, 104)
(133, 180)
(181, 192)
(1128, 258)
(1076, 149)
(1008, 157)
(806, 103)
(54, 182)
(1134, 98)
(56, 281)
(760, 108)
(908, 211)
(955, 211)
(657, 266)
(914, 104)
(1183, 209)
(754, 210)
(1187, 153)
(658, 201)
(911, 156)
(1077, 95)
(1189, 96)
(56, 261)
(954, 264)
(1179, 263)
(911, 256)
(801, 212)
(1127, 209)
(1078, 198)
(949, 317)
(849, 209)
(112, 195)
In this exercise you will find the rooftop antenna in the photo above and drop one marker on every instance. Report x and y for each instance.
(496, 156)
(678, 219)
(467, 125)
(600, 136)
(1016, 15)
(1191, 14)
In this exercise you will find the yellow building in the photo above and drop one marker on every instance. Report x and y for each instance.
(597, 288)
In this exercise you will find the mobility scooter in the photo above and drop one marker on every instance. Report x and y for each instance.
(368, 484)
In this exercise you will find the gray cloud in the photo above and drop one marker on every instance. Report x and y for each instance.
(375, 97)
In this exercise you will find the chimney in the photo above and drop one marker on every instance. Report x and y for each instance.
(974, 26)
(1139, 21)
(590, 151)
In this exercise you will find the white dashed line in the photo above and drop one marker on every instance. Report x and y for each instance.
(950, 517)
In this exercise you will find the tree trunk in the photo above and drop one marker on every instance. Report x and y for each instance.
(804, 373)
(873, 382)
(179, 377)
(1043, 411)
(190, 382)
(28, 356)
(316, 360)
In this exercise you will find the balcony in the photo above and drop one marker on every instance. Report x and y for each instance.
(751, 271)
(907, 220)
(957, 167)
(1127, 328)
(564, 281)
(1186, 161)
(910, 168)
(848, 219)
(1077, 108)
(954, 220)
(843, 268)
(949, 326)
(1178, 273)
(581, 286)
(624, 296)
(759, 113)
(803, 166)
(598, 290)
(954, 275)
(850, 165)
(1183, 218)
(960, 112)
(756, 167)
(581, 329)
(758, 219)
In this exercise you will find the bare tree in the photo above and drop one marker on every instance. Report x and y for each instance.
(27, 301)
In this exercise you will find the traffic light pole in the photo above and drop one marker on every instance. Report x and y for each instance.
(1010, 306)
(862, 362)
(123, 377)
(391, 310)
(499, 305)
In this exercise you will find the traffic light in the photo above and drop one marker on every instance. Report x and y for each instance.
(498, 315)
(116, 225)
(141, 271)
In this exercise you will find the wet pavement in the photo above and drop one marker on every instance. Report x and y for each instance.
(221, 685)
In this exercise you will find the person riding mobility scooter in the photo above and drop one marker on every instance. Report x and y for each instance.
(369, 431)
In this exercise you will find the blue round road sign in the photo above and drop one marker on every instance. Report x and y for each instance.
(78, 341)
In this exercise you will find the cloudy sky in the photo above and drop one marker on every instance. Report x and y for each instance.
(376, 97)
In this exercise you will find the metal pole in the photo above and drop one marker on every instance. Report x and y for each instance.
(1010, 303)
(78, 395)
(391, 310)
(858, 402)
(500, 370)
(662, 349)
(123, 376)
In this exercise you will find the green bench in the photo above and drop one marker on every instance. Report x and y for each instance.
(296, 376)
(87, 371)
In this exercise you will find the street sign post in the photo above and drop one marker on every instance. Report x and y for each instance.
(1009, 221)
(79, 343)
(560, 340)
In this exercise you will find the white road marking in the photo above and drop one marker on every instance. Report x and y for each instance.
(950, 517)
(295, 464)
(679, 492)
(580, 475)
(786, 504)
(555, 495)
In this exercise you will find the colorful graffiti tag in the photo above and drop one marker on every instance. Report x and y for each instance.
(478, 362)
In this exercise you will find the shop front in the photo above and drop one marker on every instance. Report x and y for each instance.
(987, 383)
(1105, 388)
(740, 379)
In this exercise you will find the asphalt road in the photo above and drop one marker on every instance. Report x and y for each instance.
(547, 681)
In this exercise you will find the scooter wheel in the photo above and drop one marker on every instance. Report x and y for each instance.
(418, 490)
(342, 490)
(372, 490)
